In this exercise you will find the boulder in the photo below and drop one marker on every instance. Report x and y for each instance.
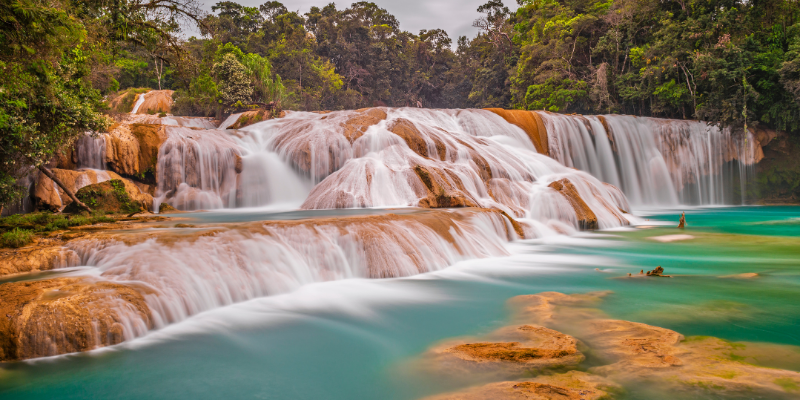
(587, 220)
(116, 196)
(65, 315)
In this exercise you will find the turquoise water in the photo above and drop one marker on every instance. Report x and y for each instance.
(357, 339)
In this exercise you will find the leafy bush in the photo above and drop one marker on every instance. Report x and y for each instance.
(16, 238)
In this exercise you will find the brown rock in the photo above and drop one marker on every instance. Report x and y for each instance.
(251, 117)
(506, 353)
(416, 140)
(640, 353)
(132, 149)
(65, 315)
(355, 127)
(531, 123)
(43, 255)
(156, 102)
(587, 220)
(441, 191)
(573, 385)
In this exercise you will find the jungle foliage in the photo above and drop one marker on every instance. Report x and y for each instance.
(730, 62)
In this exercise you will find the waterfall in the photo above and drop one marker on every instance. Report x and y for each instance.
(139, 102)
(91, 152)
(186, 274)
(655, 162)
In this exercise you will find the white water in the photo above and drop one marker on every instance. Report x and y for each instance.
(655, 162)
(91, 152)
(202, 272)
(139, 102)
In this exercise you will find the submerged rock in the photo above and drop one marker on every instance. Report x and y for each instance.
(506, 353)
(65, 315)
(641, 354)
(573, 385)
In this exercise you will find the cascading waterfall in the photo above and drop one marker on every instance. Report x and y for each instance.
(384, 158)
(655, 162)
(189, 275)
(469, 157)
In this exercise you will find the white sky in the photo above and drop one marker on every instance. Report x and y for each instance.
(454, 16)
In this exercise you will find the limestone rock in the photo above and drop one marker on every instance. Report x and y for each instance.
(531, 123)
(156, 102)
(509, 352)
(644, 354)
(573, 385)
(587, 220)
(355, 127)
(443, 190)
(65, 315)
(41, 256)
(132, 149)
(251, 117)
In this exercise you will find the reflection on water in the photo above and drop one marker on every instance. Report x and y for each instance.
(354, 338)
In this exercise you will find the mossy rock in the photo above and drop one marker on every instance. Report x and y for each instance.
(164, 208)
(112, 196)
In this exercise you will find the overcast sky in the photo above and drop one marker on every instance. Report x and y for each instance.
(454, 16)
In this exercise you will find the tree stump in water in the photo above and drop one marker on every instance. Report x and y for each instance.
(682, 223)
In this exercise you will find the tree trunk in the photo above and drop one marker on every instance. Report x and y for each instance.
(63, 187)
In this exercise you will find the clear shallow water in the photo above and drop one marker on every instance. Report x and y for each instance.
(355, 339)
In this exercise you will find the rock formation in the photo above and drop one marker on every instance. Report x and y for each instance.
(65, 315)
(531, 123)
(251, 117)
(587, 220)
(132, 149)
(156, 102)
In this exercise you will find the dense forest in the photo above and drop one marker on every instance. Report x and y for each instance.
(729, 62)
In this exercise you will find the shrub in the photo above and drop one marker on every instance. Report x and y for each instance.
(16, 238)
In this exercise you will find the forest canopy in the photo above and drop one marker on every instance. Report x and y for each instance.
(729, 62)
